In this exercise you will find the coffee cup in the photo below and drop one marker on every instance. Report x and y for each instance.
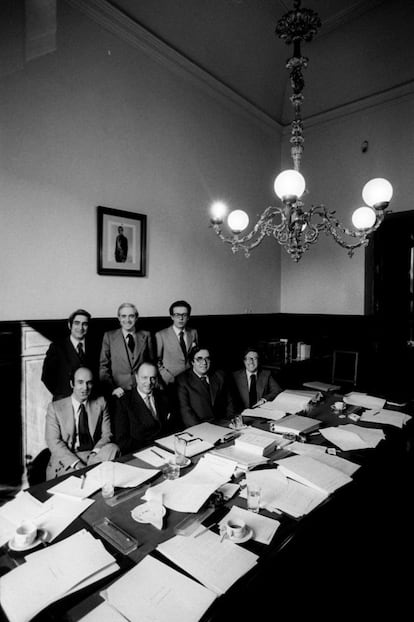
(25, 534)
(236, 528)
(339, 406)
(237, 422)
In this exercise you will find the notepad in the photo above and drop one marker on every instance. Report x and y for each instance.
(72, 487)
(296, 424)
(313, 473)
(294, 401)
(193, 447)
(256, 441)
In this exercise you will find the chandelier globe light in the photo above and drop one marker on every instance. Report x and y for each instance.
(292, 226)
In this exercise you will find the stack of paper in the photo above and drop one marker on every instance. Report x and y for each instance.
(296, 424)
(209, 432)
(189, 492)
(390, 417)
(294, 401)
(194, 446)
(52, 573)
(321, 386)
(125, 475)
(313, 473)
(154, 591)
(349, 437)
(244, 460)
(362, 399)
(217, 565)
(268, 410)
(256, 441)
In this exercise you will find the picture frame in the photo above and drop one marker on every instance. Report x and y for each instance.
(122, 242)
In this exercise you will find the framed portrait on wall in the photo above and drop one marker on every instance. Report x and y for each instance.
(122, 242)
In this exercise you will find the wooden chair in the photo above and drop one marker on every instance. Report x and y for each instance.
(345, 368)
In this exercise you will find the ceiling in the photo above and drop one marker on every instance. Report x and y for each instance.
(234, 41)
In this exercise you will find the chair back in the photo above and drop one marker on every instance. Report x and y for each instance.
(345, 367)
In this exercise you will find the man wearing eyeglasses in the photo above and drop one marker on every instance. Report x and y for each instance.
(203, 394)
(175, 342)
(253, 386)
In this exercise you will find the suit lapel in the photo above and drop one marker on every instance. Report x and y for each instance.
(260, 386)
(243, 386)
(67, 418)
(123, 348)
(173, 341)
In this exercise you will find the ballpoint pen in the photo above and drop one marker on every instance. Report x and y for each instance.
(157, 454)
(204, 530)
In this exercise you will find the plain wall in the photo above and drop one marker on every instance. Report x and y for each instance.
(99, 122)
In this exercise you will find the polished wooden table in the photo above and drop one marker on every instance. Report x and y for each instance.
(317, 552)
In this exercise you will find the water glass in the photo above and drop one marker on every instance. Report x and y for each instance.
(253, 497)
(180, 446)
(107, 479)
(171, 470)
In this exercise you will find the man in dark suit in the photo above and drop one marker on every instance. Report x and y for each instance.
(122, 352)
(203, 395)
(78, 429)
(63, 357)
(175, 342)
(253, 386)
(143, 413)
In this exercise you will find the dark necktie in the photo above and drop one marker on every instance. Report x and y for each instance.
(131, 342)
(150, 407)
(85, 439)
(252, 391)
(182, 344)
(81, 352)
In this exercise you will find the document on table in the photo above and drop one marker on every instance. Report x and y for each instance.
(125, 475)
(23, 507)
(155, 456)
(306, 449)
(103, 613)
(313, 473)
(293, 402)
(72, 487)
(152, 591)
(217, 565)
(264, 528)
(51, 573)
(280, 494)
(362, 399)
(60, 512)
(194, 445)
(209, 432)
(390, 417)
(189, 492)
(264, 411)
(341, 464)
(349, 437)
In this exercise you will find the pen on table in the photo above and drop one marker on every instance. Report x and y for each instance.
(204, 530)
(83, 479)
(157, 454)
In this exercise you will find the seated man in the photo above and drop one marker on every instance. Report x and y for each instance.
(143, 413)
(175, 342)
(253, 386)
(203, 395)
(78, 430)
(63, 357)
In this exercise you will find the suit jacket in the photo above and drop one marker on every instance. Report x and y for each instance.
(198, 401)
(135, 425)
(117, 367)
(61, 361)
(61, 431)
(266, 387)
(170, 356)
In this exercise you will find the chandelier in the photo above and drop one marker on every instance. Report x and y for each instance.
(294, 227)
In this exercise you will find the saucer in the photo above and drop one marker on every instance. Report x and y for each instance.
(144, 514)
(38, 540)
(233, 427)
(338, 410)
(247, 536)
(186, 463)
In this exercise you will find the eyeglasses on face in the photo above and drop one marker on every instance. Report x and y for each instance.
(251, 358)
(199, 359)
(181, 315)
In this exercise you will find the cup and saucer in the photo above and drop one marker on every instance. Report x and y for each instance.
(237, 531)
(338, 407)
(185, 462)
(25, 544)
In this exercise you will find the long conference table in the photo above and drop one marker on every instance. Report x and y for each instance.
(342, 558)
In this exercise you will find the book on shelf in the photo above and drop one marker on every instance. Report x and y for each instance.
(295, 424)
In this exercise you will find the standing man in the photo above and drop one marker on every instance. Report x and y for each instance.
(203, 395)
(253, 385)
(143, 413)
(63, 357)
(121, 246)
(78, 430)
(175, 342)
(122, 352)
